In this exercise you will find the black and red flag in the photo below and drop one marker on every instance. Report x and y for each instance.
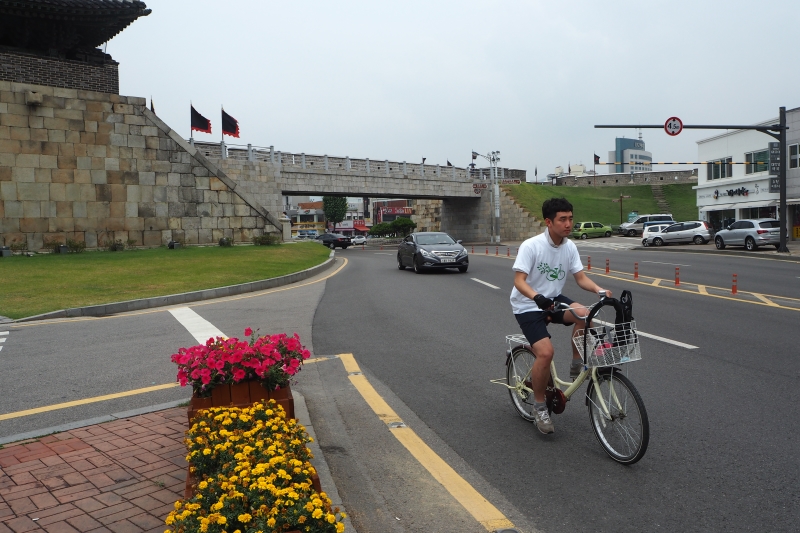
(199, 122)
(230, 126)
(596, 159)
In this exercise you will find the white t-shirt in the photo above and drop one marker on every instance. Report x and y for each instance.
(547, 266)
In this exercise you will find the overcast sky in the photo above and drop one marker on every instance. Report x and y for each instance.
(438, 79)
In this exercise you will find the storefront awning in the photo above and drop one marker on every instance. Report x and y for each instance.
(359, 227)
(719, 207)
(760, 203)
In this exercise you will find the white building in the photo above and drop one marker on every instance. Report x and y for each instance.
(727, 192)
(631, 156)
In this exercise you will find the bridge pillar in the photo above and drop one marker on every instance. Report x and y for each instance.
(386, 167)
(405, 169)
(271, 154)
(367, 160)
(303, 160)
(326, 161)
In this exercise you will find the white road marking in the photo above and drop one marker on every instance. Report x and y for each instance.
(660, 263)
(3, 333)
(484, 283)
(383, 253)
(3, 339)
(200, 328)
(654, 337)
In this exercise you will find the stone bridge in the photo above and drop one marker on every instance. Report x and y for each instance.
(268, 175)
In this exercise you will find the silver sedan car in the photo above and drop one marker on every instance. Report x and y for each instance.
(696, 231)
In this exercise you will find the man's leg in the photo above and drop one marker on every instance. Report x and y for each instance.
(540, 373)
(577, 361)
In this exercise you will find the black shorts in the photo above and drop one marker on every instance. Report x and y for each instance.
(534, 323)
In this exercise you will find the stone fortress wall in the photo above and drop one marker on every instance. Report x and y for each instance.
(98, 167)
(25, 67)
(622, 179)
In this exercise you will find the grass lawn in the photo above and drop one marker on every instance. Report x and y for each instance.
(589, 203)
(682, 200)
(49, 282)
(595, 203)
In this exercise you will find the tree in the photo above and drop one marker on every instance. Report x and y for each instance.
(335, 208)
(403, 225)
(381, 230)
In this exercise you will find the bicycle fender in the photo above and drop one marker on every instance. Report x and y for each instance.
(602, 372)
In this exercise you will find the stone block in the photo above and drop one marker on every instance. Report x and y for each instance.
(32, 209)
(27, 160)
(151, 132)
(116, 209)
(86, 138)
(33, 225)
(151, 238)
(8, 146)
(134, 224)
(136, 141)
(62, 224)
(69, 114)
(17, 121)
(204, 236)
(111, 163)
(123, 109)
(20, 134)
(151, 143)
(67, 162)
(134, 193)
(13, 209)
(48, 161)
(33, 191)
(113, 118)
(67, 149)
(172, 195)
(119, 193)
(156, 223)
(147, 209)
(72, 136)
(162, 166)
(78, 209)
(174, 223)
(62, 176)
(5, 173)
(134, 119)
(58, 193)
(115, 224)
(118, 139)
(84, 162)
(98, 210)
(99, 177)
(147, 178)
(159, 194)
(191, 236)
(82, 176)
(241, 210)
(122, 129)
(64, 93)
(36, 123)
(208, 222)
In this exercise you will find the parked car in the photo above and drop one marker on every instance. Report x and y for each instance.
(651, 229)
(430, 250)
(358, 239)
(334, 240)
(696, 231)
(584, 230)
(636, 227)
(750, 233)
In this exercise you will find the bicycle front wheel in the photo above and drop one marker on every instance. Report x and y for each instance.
(518, 377)
(618, 417)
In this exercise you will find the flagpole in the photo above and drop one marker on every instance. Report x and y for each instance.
(191, 136)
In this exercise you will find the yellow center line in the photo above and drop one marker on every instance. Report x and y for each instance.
(161, 310)
(702, 290)
(484, 512)
(85, 401)
(764, 299)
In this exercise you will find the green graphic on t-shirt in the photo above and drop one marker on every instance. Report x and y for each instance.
(552, 274)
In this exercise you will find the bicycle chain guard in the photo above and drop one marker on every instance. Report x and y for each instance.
(555, 398)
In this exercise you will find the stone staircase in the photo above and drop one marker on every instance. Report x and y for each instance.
(661, 200)
(516, 223)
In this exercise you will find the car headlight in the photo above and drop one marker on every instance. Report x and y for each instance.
(462, 253)
(425, 252)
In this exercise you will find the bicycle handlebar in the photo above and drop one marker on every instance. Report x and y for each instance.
(561, 306)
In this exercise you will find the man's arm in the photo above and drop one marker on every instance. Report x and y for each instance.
(521, 283)
(585, 283)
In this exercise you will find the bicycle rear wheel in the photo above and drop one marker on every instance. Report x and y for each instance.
(625, 431)
(518, 374)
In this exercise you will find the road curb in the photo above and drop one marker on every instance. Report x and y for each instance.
(792, 257)
(186, 297)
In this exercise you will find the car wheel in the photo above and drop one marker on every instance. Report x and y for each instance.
(608, 234)
(332, 246)
(632, 233)
(750, 244)
(417, 267)
(645, 243)
(400, 264)
(344, 247)
(463, 269)
(699, 240)
(719, 243)
(584, 236)
(657, 241)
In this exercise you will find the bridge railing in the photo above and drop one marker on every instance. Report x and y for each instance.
(303, 161)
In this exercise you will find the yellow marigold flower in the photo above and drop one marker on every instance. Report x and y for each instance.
(206, 451)
(344, 515)
(170, 519)
(221, 520)
(301, 520)
(309, 507)
(329, 518)
(177, 505)
(244, 518)
(271, 522)
(317, 513)
(339, 527)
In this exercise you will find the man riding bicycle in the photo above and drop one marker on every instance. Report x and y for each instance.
(540, 273)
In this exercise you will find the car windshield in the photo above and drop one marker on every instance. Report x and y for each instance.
(770, 224)
(435, 238)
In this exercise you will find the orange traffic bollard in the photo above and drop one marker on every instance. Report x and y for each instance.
(734, 288)
(381, 247)
(487, 250)
(636, 271)
(589, 260)
(508, 251)
(607, 270)
(473, 248)
(677, 276)
(496, 251)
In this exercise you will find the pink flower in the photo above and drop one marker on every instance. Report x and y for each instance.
(238, 375)
(248, 332)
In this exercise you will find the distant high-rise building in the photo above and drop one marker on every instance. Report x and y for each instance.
(629, 155)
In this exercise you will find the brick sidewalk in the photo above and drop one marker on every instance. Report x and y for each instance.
(122, 477)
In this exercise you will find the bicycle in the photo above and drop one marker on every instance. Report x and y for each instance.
(616, 409)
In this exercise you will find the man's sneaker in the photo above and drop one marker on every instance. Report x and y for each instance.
(543, 422)
(575, 371)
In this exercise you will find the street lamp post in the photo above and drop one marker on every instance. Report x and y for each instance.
(494, 158)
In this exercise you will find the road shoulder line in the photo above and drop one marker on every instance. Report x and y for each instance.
(481, 509)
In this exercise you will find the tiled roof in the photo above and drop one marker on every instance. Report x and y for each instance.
(65, 24)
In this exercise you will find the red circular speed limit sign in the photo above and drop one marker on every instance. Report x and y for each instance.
(673, 126)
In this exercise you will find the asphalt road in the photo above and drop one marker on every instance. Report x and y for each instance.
(723, 418)
(724, 427)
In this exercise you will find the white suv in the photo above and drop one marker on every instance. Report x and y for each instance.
(631, 229)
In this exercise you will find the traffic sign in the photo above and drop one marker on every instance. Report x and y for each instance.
(673, 126)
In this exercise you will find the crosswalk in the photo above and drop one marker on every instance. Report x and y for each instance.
(3, 337)
(626, 245)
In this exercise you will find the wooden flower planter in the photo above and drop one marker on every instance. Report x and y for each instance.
(242, 394)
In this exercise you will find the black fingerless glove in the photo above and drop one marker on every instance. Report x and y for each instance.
(543, 301)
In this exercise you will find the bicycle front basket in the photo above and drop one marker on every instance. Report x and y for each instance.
(609, 345)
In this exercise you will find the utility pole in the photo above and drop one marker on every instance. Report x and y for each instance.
(620, 206)
(494, 158)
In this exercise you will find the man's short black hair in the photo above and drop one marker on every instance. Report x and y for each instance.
(553, 206)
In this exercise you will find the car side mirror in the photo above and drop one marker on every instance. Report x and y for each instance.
(458, 241)
(727, 227)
